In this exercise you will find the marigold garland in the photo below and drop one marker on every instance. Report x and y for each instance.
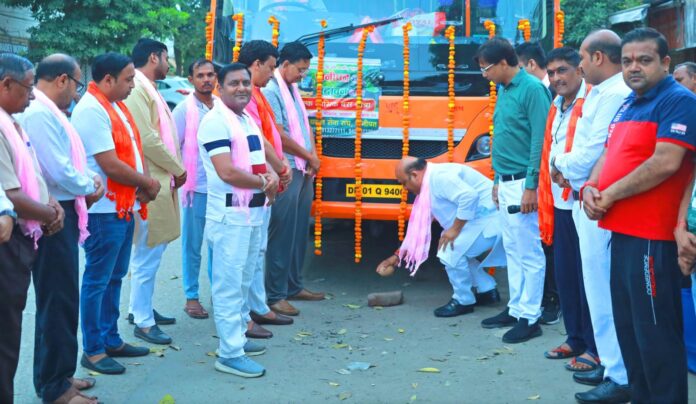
(490, 26)
(449, 33)
(560, 28)
(406, 117)
(493, 92)
(209, 28)
(358, 143)
(526, 27)
(239, 34)
(275, 33)
(319, 101)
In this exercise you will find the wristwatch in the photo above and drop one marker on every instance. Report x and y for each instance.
(11, 213)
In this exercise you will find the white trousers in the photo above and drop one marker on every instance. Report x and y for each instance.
(468, 272)
(595, 253)
(526, 263)
(256, 299)
(145, 262)
(235, 256)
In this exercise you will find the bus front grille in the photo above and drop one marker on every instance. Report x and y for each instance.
(383, 148)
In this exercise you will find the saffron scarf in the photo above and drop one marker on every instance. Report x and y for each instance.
(24, 168)
(77, 157)
(163, 112)
(262, 113)
(190, 152)
(122, 195)
(293, 118)
(546, 218)
(414, 249)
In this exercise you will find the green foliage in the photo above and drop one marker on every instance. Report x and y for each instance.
(86, 28)
(583, 16)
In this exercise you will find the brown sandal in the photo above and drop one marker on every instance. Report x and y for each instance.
(195, 310)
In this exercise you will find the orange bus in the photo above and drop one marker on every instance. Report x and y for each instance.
(382, 139)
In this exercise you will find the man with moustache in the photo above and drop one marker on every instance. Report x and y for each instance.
(635, 191)
(61, 155)
(556, 210)
(114, 151)
(163, 161)
(38, 214)
(685, 74)
(600, 55)
(187, 117)
(240, 186)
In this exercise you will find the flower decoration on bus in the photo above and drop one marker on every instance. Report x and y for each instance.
(449, 33)
(490, 27)
(526, 27)
(239, 34)
(319, 101)
(275, 31)
(560, 28)
(406, 124)
(209, 28)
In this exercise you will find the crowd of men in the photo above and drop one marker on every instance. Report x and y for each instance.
(602, 175)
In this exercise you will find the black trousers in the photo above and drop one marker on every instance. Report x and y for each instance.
(16, 259)
(646, 299)
(56, 286)
(550, 289)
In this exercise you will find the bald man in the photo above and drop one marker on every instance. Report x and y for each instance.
(460, 200)
(685, 74)
(600, 56)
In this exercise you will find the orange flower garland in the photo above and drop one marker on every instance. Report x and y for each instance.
(239, 30)
(275, 33)
(493, 92)
(209, 27)
(449, 33)
(526, 27)
(490, 26)
(405, 146)
(319, 100)
(560, 28)
(358, 144)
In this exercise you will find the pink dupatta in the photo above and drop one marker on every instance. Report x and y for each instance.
(77, 156)
(414, 249)
(24, 167)
(165, 115)
(293, 118)
(190, 152)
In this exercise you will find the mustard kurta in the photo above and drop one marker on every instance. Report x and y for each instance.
(163, 212)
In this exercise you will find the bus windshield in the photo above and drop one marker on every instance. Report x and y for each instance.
(429, 18)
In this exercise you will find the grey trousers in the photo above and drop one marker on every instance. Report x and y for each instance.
(288, 235)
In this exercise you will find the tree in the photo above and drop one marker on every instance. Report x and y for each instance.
(87, 28)
(189, 40)
(583, 16)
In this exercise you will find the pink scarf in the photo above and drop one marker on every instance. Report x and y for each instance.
(77, 156)
(24, 167)
(190, 152)
(165, 115)
(240, 154)
(414, 249)
(293, 118)
(253, 110)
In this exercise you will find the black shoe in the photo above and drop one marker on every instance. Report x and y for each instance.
(453, 308)
(591, 378)
(154, 335)
(487, 298)
(128, 351)
(106, 366)
(159, 319)
(522, 332)
(607, 392)
(504, 319)
(551, 313)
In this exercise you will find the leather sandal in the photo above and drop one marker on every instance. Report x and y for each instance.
(582, 364)
(561, 352)
(194, 309)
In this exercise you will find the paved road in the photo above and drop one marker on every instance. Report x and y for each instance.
(304, 361)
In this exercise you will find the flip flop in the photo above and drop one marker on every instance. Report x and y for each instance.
(561, 353)
(585, 365)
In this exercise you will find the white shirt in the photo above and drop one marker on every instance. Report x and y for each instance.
(559, 131)
(5, 203)
(92, 122)
(602, 103)
(179, 115)
(214, 137)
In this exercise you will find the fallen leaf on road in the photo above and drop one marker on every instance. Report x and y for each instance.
(304, 334)
(342, 331)
(534, 397)
(456, 334)
(414, 385)
(159, 352)
(482, 358)
(92, 373)
(500, 372)
(339, 346)
(211, 354)
(328, 296)
(364, 335)
(167, 399)
(343, 371)
(359, 366)
(414, 397)
(175, 347)
(344, 396)
(215, 336)
(429, 370)
(173, 277)
(401, 330)
(134, 363)
(388, 339)
(333, 384)
(197, 344)
(352, 306)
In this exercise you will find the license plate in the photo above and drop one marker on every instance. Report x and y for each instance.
(375, 191)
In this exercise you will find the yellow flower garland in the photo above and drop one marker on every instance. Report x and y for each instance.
(275, 33)
(358, 144)
(239, 30)
(209, 28)
(319, 101)
(405, 119)
(493, 92)
(449, 33)
(490, 26)
(526, 27)
(560, 28)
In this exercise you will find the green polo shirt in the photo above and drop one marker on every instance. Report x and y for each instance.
(519, 122)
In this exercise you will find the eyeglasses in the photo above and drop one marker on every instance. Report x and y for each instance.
(78, 84)
(302, 71)
(485, 69)
(28, 88)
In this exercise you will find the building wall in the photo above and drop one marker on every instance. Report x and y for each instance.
(14, 26)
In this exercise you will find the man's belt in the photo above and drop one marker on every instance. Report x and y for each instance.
(513, 177)
(257, 201)
(576, 195)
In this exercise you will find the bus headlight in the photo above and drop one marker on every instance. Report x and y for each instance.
(480, 149)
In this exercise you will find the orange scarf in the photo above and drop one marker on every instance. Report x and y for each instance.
(265, 114)
(546, 218)
(122, 195)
